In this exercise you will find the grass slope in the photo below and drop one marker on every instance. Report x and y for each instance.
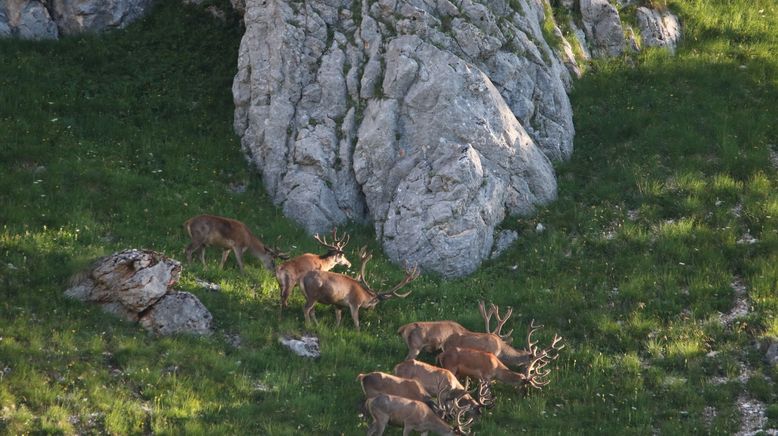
(112, 142)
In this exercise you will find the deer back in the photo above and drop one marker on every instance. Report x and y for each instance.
(491, 343)
(375, 383)
(333, 288)
(433, 378)
(429, 334)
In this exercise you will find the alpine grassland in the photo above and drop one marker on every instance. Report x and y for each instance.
(666, 221)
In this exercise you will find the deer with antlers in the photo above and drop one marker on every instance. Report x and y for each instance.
(341, 290)
(290, 272)
(485, 366)
(497, 343)
(232, 236)
(434, 378)
(413, 415)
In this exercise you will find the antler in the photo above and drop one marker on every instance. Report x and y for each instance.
(337, 244)
(276, 252)
(532, 329)
(411, 274)
(535, 373)
(553, 348)
(364, 257)
(487, 316)
(462, 427)
(485, 394)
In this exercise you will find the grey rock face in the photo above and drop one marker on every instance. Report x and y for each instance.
(131, 284)
(603, 28)
(26, 19)
(178, 312)
(658, 29)
(76, 16)
(431, 119)
(34, 19)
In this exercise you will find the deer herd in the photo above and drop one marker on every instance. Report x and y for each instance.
(419, 396)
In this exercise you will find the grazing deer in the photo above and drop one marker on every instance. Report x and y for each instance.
(485, 366)
(495, 342)
(230, 235)
(343, 291)
(428, 335)
(375, 383)
(290, 272)
(412, 415)
(434, 378)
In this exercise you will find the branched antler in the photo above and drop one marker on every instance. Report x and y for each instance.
(487, 316)
(337, 244)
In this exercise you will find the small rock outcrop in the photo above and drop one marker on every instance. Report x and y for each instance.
(601, 31)
(658, 28)
(26, 19)
(136, 285)
(602, 24)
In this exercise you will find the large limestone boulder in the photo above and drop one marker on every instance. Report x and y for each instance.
(430, 119)
(136, 285)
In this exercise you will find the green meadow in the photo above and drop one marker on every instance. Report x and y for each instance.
(667, 210)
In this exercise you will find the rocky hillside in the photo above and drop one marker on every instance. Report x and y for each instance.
(431, 119)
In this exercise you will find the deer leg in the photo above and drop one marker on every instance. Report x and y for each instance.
(238, 257)
(225, 255)
(379, 425)
(355, 316)
(338, 314)
(407, 430)
(309, 313)
(190, 249)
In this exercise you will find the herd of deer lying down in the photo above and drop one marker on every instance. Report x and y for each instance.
(418, 396)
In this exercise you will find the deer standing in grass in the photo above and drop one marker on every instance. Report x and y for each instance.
(482, 365)
(412, 415)
(341, 290)
(230, 235)
(290, 272)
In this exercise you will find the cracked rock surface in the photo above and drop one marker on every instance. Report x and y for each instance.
(431, 119)
(136, 285)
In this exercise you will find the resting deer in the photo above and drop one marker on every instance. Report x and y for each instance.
(343, 291)
(412, 415)
(290, 272)
(434, 378)
(485, 366)
(230, 235)
(428, 335)
(495, 342)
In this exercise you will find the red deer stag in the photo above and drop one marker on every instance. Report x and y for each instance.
(230, 235)
(495, 342)
(485, 366)
(434, 378)
(428, 335)
(343, 291)
(412, 415)
(290, 272)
